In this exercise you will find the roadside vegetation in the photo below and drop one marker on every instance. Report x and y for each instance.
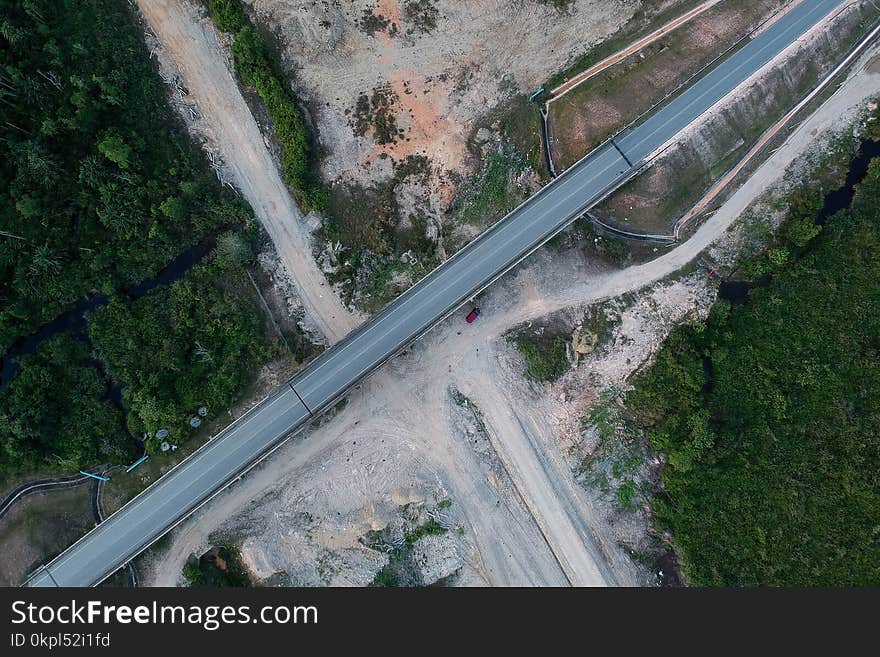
(768, 412)
(258, 68)
(653, 202)
(647, 18)
(494, 191)
(591, 112)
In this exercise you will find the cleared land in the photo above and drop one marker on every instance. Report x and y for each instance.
(421, 117)
(40, 527)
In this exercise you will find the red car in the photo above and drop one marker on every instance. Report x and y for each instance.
(472, 315)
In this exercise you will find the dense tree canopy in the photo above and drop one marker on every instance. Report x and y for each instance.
(56, 409)
(770, 415)
(185, 346)
(99, 187)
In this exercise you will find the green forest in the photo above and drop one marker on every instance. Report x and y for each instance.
(769, 413)
(100, 188)
(180, 347)
(184, 346)
(56, 411)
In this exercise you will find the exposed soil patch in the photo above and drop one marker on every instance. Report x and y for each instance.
(386, 81)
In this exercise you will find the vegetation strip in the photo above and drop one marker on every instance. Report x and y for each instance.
(258, 68)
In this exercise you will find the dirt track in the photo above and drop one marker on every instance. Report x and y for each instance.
(634, 47)
(193, 46)
(529, 522)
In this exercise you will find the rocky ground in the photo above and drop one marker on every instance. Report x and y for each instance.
(395, 84)
(453, 419)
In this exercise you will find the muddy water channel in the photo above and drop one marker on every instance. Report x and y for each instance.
(737, 292)
(74, 320)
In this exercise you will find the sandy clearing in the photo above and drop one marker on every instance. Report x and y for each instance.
(192, 44)
(406, 406)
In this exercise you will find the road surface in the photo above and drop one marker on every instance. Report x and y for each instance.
(204, 473)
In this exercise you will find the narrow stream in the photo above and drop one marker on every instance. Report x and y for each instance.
(74, 320)
(737, 292)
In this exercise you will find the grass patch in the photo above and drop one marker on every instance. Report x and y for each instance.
(429, 528)
(491, 195)
(545, 358)
(520, 124)
(382, 253)
(397, 572)
(386, 578)
(614, 467)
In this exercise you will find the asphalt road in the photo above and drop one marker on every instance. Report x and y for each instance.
(173, 497)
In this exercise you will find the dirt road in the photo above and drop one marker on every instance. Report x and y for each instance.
(192, 45)
(634, 47)
(518, 539)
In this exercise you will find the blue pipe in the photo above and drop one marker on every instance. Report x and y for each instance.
(137, 463)
(94, 476)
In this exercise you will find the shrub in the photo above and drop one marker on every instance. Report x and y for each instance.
(545, 361)
(227, 14)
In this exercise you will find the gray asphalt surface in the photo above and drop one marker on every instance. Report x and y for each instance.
(161, 506)
(152, 513)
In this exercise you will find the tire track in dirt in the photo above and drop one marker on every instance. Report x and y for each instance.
(192, 45)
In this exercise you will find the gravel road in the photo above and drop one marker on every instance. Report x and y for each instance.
(192, 44)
